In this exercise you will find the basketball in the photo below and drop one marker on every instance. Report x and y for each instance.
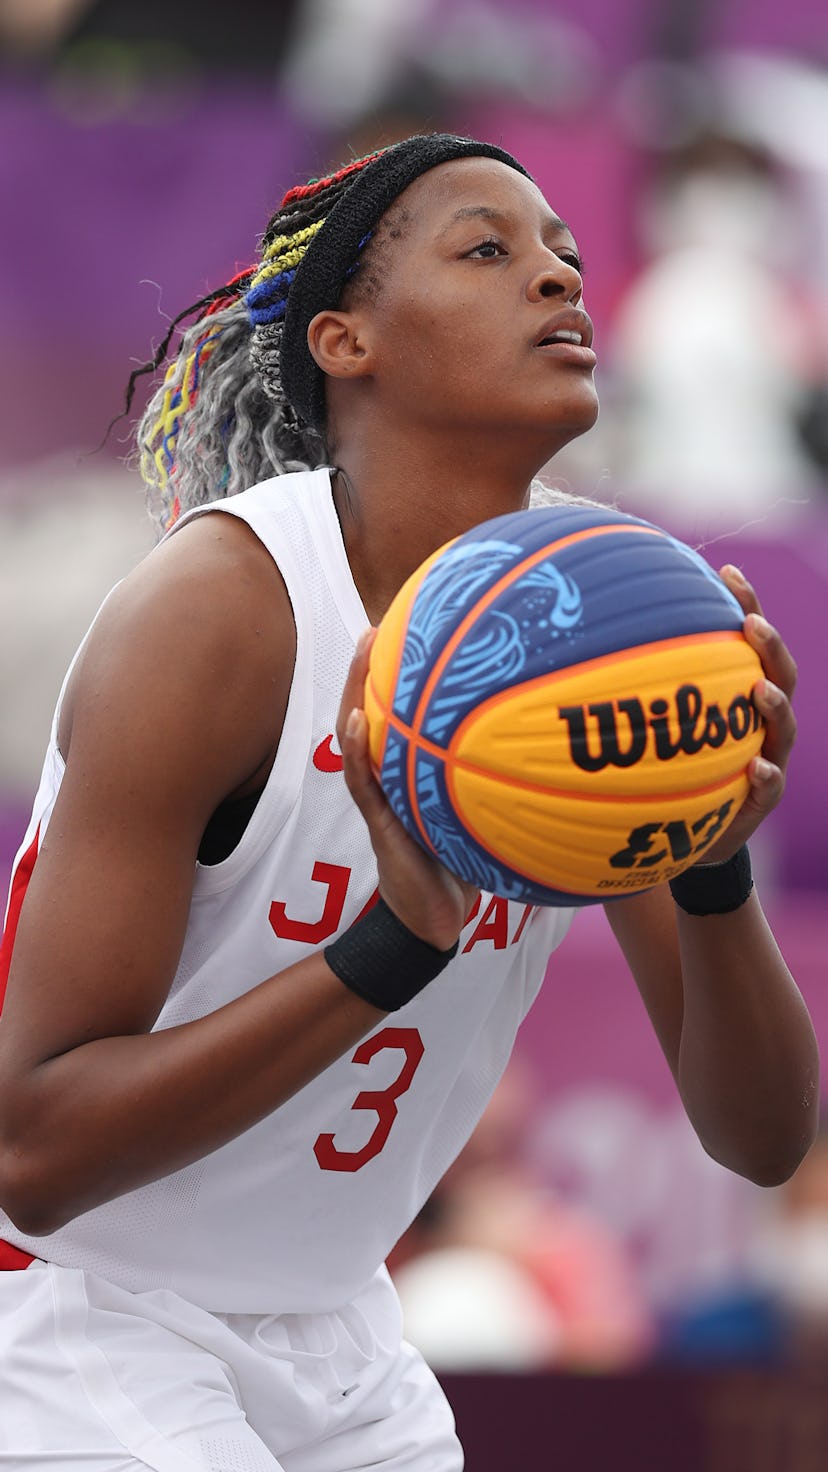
(559, 705)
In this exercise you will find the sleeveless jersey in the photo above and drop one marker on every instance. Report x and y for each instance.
(298, 1212)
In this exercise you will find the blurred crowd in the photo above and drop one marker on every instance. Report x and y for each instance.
(502, 1270)
(700, 168)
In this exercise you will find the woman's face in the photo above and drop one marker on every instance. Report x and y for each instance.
(476, 320)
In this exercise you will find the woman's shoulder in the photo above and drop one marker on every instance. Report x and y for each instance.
(201, 631)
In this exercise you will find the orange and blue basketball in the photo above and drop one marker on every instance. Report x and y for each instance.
(560, 705)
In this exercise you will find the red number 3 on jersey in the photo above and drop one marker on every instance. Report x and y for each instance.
(382, 1102)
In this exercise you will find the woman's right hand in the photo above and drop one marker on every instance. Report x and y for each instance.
(430, 900)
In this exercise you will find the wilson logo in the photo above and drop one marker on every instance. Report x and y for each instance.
(616, 733)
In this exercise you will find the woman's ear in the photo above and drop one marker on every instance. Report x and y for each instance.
(337, 344)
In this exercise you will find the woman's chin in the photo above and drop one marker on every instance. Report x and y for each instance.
(570, 423)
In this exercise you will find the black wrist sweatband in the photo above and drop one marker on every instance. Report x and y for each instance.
(383, 961)
(714, 889)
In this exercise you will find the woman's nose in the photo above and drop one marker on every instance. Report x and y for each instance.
(557, 278)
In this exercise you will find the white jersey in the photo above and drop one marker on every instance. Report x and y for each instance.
(298, 1212)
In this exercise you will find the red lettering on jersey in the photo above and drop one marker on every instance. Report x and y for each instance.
(528, 912)
(17, 894)
(493, 926)
(13, 1259)
(383, 1102)
(336, 877)
(325, 759)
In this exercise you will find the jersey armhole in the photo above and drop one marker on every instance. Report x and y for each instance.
(282, 789)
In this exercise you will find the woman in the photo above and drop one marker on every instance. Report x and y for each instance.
(211, 1133)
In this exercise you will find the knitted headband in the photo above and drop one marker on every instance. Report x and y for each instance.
(305, 274)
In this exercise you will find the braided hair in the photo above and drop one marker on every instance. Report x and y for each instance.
(219, 421)
(242, 399)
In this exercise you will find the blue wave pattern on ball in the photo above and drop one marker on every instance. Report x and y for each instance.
(394, 779)
(462, 854)
(455, 849)
(453, 586)
(506, 642)
(461, 575)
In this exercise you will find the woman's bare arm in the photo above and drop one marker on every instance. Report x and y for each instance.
(730, 1019)
(178, 699)
(733, 1027)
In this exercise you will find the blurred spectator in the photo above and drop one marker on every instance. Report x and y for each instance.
(93, 33)
(778, 1311)
(349, 54)
(355, 57)
(498, 1273)
(716, 348)
(790, 1254)
(31, 29)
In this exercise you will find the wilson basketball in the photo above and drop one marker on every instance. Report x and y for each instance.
(560, 708)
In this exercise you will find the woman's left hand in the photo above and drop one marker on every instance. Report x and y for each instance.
(773, 695)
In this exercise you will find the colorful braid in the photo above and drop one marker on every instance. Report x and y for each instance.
(315, 186)
(168, 451)
(181, 383)
(291, 231)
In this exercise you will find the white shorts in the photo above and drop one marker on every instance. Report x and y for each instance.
(95, 1379)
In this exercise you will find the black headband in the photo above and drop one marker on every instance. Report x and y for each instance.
(321, 275)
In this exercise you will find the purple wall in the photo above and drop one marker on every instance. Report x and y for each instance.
(114, 227)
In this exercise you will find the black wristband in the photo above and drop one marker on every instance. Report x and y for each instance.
(714, 889)
(383, 961)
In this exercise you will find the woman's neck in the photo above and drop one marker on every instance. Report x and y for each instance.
(393, 518)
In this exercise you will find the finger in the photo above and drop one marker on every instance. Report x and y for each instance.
(777, 661)
(742, 590)
(766, 786)
(358, 772)
(767, 783)
(780, 722)
(353, 691)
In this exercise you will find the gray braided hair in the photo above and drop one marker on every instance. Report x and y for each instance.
(238, 428)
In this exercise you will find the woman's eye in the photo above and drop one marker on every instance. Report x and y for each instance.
(487, 249)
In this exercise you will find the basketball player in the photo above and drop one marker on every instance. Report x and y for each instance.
(229, 1075)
